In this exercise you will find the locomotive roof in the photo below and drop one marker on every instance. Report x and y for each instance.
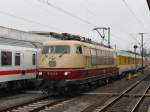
(72, 42)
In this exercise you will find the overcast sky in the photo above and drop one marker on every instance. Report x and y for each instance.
(126, 18)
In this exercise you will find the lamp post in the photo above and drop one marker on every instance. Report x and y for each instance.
(135, 47)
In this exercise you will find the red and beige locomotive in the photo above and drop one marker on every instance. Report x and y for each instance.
(73, 61)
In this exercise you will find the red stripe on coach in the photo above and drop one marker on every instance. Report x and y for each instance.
(12, 72)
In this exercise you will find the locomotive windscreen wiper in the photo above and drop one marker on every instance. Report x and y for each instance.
(64, 52)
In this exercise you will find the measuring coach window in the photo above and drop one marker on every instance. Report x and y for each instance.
(78, 49)
(6, 58)
(17, 59)
(33, 59)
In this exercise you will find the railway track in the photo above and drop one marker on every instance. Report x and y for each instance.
(132, 92)
(108, 105)
(11, 108)
(36, 105)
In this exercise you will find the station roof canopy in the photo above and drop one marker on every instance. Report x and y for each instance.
(10, 33)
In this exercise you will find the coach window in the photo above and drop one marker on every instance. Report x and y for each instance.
(6, 58)
(78, 49)
(33, 59)
(17, 59)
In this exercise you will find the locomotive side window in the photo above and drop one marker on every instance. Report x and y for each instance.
(17, 59)
(6, 58)
(33, 59)
(93, 57)
(78, 49)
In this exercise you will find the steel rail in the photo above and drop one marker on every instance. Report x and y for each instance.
(48, 105)
(22, 104)
(109, 102)
(36, 106)
(140, 99)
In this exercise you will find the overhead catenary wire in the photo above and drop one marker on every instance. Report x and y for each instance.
(84, 4)
(28, 20)
(64, 11)
(47, 2)
(132, 12)
(34, 22)
(138, 42)
(120, 39)
(94, 15)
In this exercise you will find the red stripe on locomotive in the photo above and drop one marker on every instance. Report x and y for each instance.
(62, 74)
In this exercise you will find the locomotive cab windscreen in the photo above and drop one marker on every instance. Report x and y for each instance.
(56, 49)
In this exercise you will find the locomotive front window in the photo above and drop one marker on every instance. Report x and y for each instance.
(56, 49)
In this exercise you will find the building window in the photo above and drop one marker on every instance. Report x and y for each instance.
(33, 59)
(6, 58)
(17, 59)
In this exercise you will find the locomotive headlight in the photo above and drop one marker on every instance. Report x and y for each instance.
(40, 73)
(66, 73)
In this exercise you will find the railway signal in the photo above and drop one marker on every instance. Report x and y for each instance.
(135, 47)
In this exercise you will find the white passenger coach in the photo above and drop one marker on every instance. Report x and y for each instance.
(18, 62)
(18, 57)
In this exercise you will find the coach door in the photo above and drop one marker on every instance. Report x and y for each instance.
(28, 62)
(25, 61)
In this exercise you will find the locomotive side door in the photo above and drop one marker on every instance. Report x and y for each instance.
(87, 56)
